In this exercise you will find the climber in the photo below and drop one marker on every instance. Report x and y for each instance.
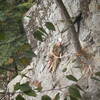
(55, 56)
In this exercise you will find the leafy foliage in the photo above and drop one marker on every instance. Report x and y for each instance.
(64, 70)
(57, 97)
(39, 89)
(94, 78)
(15, 50)
(30, 93)
(24, 6)
(71, 77)
(25, 88)
(17, 86)
(73, 98)
(19, 97)
(65, 98)
(2, 36)
(45, 97)
(78, 87)
(50, 26)
(40, 33)
(13, 41)
(97, 74)
(42, 30)
(74, 92)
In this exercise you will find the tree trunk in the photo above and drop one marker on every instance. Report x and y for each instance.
(74, 34)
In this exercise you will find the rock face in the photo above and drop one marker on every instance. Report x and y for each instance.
(52, 83)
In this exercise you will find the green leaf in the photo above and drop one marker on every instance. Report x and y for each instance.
(2, 16)
(94, 78)
(77, 86)
(24, 60)
(30, 53)
(65, 98)
(46, 97)
(39, 89)
(72, 98)
(25, 50)
(57, 97)
(38, 35)
(17, 86)
(43, 30)
(50, 26)
(31, 93)
(19, 97)
(24, 47)
(2, 36)
(24, 6)
(64, 70)
(29, 17)
(74, 92)
(25, 87)
(70, 77)
(5, 53)
(97, 74)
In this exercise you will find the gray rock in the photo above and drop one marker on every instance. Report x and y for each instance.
(47, 10)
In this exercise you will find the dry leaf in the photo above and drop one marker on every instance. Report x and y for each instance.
(36, 83)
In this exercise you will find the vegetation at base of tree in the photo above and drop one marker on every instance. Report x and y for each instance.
(14, 48)
(15, 52)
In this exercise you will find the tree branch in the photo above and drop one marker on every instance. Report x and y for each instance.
(7, 69)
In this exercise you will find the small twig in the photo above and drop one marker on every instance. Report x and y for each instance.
(53, 89)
